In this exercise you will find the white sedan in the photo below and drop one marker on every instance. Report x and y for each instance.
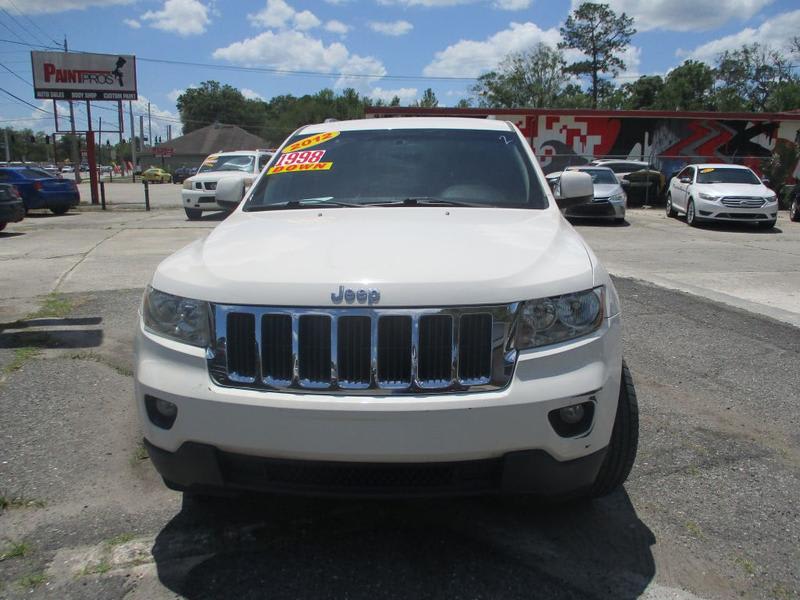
(721, 192)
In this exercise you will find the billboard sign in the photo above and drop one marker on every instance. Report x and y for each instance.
(79, 76)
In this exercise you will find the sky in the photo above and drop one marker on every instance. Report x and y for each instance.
(380, 47)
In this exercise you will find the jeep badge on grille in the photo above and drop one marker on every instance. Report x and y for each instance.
(362, 296)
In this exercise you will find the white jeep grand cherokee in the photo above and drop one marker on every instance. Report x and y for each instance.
(397, 307)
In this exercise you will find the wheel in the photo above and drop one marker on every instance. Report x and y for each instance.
(691, 219)
(671, 212)
(193, 213)
(766, 224)
(621, 452)
(59, 210)
(794, 212)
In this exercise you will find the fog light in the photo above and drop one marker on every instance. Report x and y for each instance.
(162, 413)
(569, 414)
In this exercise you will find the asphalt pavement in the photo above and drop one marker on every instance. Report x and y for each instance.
(710, 510)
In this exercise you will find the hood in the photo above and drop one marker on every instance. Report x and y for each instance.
(414, 256)
(734, 189)
(217, 175)
(604, 190)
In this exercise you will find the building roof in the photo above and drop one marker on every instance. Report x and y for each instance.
(214, 138)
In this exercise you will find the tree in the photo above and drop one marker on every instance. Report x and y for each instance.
(572, 96)
(597, 31)
(643, 93)
(214, 103)
(428, 100)
(689, 86)
(751, 74)
(532, 79)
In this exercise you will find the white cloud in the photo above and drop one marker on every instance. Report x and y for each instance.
(132, 23)
(428, 3)
(335, 26)
(296, 50)
(184, 17)
(37, 7)
(512, 4)
(406, 95)
(684, 15)
(393, 28)
(251, 94)
(470, 58)
(278, 14)
(160, 118)
(776, 32)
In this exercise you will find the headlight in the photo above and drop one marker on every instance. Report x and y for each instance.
(711, 197)
(770, 199)
(560, 318)
(187, 184)
(617, 198)
(180, 319)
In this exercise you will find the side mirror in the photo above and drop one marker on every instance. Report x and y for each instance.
(229, 192)
(576, 189)
(625, 183)
(685, 180)
(765, 181)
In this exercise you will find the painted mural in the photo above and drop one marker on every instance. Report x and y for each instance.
(668, 143)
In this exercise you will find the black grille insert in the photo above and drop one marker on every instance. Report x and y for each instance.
(435, 349)
(242, 345)
(475, 348)
(276, 347)
(314, 351)
(354, 349)
(394, 350)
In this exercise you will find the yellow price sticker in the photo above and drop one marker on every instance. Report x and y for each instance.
(310, 141)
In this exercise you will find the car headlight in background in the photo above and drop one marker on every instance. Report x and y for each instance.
(617, 199)
(187, 185)
(559, 318)
(770, 199)
(181, 319)
(710, 197)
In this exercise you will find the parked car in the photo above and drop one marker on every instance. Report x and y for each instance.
(67, 169)
(156, 175)
(12, 208)
(640, 176)
(183, 173)
(609, 199)
(794, 207)
(721, 192)
(238, 169)
(52, 170)
(39, 189)
(364, 323)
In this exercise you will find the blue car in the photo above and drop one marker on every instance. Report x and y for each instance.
(39, 189)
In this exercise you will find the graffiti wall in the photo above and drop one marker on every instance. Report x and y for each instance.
(669, 143)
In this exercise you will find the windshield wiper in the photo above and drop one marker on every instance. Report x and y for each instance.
(427, 201)
(304, 203)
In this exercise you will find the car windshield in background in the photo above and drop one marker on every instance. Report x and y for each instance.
(724, 175)
(231, 162)
(401, 166)
(34, 174)
(600, 176)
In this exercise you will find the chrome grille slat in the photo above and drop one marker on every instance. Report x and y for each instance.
(742, 201)
(363, 351)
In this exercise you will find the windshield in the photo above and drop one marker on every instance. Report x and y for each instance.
(228, 162)
(35, 174)
(486, 168)
(727, 176)
(600, 175)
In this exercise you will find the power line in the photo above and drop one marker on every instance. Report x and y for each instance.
(20, 24)
(32, 22)
(17, 75)
(47, 112)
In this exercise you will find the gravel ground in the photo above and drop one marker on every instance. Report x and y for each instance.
(710, 510)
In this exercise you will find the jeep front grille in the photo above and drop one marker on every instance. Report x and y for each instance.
(363, 351)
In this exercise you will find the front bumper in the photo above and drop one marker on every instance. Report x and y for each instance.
(200, 199)
(12, 212)
(234, 438)
(715, 210)
(597, 210)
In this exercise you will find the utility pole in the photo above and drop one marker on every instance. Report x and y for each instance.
(169, 133)
(149, 126)
(8, 149)
(100, 140)
(76, 162)
(141, 132)
(133, 139)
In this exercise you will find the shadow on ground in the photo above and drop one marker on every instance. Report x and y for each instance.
(52, 333)
(283, 547)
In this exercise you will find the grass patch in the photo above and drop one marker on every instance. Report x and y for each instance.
(122, 538)
(139, 454)
(20, 502)
(747, 565)
(694, 529)
(97, 569)
(16, 550)
(32, 580)
(94, 356)
(22, 356)
(53, 305)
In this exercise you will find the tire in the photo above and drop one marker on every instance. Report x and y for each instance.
(624, 442)
(691, 218)
(671, 212)
(794, 212)
(59, 210)
(193, 213)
